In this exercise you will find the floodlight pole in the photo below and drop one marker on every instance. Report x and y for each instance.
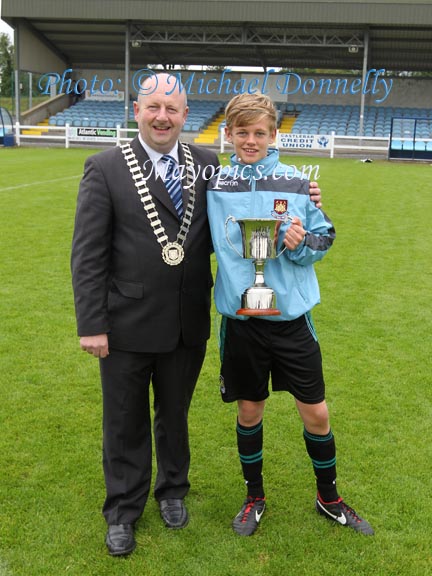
(30, 82)
(364, 73)
(17, 83)
(127, 64)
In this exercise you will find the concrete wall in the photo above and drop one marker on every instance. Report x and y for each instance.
(34, 55)
(379, 90)
(45, 110)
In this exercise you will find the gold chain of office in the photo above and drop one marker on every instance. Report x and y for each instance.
(172, 252)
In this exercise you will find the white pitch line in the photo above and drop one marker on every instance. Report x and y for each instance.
(36, 183)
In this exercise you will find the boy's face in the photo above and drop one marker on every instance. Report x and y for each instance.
(251, 142)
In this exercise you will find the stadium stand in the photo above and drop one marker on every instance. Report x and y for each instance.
(392, 37)
(93, 114)
(108, 114)
(344, 120)
(201, 113)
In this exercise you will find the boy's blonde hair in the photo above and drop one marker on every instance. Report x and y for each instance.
(245, 109)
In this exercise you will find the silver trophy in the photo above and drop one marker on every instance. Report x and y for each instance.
(259, 244)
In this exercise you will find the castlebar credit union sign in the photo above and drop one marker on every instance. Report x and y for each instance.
(311, 141)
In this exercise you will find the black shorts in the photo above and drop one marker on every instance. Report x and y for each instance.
(254, 349)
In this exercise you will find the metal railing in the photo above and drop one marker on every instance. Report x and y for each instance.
(68, 134)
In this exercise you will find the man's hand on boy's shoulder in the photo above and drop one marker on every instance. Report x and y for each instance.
(315, 194)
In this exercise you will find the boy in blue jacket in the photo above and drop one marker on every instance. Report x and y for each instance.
(285, 346)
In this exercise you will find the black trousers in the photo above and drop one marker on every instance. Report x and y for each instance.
(127, 428)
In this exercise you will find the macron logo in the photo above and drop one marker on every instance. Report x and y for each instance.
(228, 183)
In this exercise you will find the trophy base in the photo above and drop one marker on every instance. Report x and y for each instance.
(258, 300)
(258, 312)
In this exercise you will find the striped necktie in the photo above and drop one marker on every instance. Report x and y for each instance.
(173, 184)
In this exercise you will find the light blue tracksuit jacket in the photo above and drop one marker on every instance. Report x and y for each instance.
(266, 189)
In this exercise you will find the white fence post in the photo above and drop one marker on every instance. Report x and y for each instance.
(67, 135)
(332, 139)
(17, 133)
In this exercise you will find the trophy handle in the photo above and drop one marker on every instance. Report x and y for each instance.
(227, 235)
(287, 218)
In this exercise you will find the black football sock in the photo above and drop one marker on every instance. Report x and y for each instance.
(250, 448)
(322, 452)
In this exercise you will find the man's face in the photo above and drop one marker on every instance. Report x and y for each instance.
(251, 142)
(161, 115)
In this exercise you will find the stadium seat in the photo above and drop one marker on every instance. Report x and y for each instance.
(396, 145)
(420, 146)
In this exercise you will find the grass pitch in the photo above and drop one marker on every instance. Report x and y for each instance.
(374, 325)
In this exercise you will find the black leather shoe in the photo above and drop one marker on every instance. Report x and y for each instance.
(120, 539)
(174, 513)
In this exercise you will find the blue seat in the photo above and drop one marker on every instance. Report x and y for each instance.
(396, 145)
(420, 146)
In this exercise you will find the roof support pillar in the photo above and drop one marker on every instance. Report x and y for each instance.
(17, 75)
(127, 66)
(364, 74)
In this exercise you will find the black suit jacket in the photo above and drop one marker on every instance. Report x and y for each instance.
(121, 284)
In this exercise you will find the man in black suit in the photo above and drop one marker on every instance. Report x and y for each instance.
(142, 299)
(142, 281)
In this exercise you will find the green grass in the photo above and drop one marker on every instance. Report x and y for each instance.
(374, 324)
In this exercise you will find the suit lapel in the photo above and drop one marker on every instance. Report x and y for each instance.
(182, 162)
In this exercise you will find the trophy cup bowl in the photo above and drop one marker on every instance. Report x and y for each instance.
(259, 244)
